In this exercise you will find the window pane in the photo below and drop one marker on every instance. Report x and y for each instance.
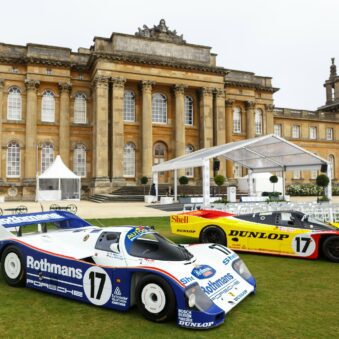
(47, 156)
(129, 160)
(14, 104)
(129, 106)
(80, 108)
(189, 172)
(79, 161)
(237, 120)
(258, 122)
(48, 107)
(13, 160)
(159, 108)
(188, 111)
(277, 130)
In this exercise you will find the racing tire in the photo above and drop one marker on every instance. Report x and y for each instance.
(13, 267)
(330, 248)
(213, 234)
(155, 298)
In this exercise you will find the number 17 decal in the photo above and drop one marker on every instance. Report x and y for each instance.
(97, 286)
(303, 245)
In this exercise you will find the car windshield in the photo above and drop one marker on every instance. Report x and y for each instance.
(318, 224)
(155, 246)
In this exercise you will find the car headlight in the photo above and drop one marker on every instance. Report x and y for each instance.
(196, 298)
(240, 267)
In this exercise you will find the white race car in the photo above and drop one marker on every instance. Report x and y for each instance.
(118, 267)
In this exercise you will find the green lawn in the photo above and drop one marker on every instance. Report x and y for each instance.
(295, 299)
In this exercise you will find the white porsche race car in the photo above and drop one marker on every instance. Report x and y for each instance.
(118, 267)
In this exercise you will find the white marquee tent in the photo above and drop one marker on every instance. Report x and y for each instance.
(58, 182)
(268, 153)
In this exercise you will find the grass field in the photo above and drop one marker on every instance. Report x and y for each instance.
(295, 299)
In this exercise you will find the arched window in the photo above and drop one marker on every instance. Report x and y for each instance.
(129, 160)
(258, 121)
(47, 156)
(48, 107)
(79, 160)
(189, 172)
(159, 108)
(188, 110)
(14, 107)
(80, 109)
(13, 160)
(332, 162)
(129, 106)
(236, 120)
(159, 153)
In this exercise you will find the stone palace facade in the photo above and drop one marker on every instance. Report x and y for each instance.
(131, 101)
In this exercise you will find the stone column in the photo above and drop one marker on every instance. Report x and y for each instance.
(1, 104)
(206, 117)
(146, 128)
(100, 140)
(64, 123)
(269, 119)
(220, 127)
(31, 132)
(179, 120)
(118, 141)
(250, 124)
(229, 133)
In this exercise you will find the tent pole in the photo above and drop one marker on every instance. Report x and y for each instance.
(283, 173)
(206, 183)
(250, 182)
(328, 189)
(175, 185)
(155, 181)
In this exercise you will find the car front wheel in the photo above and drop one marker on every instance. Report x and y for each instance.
(155, 298)
(330, 248)
(12, 267)
(213, 234)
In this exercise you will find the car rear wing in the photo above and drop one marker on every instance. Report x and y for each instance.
(63, 220)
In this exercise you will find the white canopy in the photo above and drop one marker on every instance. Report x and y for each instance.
(268, 153)
(58, 182)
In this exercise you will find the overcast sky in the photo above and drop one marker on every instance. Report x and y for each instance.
(291, 41)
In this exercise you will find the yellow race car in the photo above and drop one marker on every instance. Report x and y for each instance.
(288, 233)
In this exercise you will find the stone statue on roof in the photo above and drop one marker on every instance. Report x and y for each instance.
(160, 32)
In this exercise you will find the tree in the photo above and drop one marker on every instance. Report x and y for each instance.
(183, 180)
(273, 180)
(322, 181)
(144, 181)
(219, 180)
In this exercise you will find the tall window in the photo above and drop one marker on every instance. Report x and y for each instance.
(159, 108)
(314, 174)
(129, 106)
(159, 153)
(329, 133)
(296, 131)
(80, 109)
(277, 130)
(332, 162)
(13, 160)
(188, 110)
(296, 174)
(14, 104)
(258, 121)
(47, 156)
(79, 160)
(48, 107)
(129, 160)
(189, 172)
(313, 133)
(236, 120)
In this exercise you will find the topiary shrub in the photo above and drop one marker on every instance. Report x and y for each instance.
(144, 181)
(219, 181)
(273, 180)
(183, 180)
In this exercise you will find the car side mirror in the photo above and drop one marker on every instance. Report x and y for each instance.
(115, 248)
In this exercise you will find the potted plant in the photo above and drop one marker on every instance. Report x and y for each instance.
(219, 181)
(144, 181)
(273, 180)
(322, 181)
(183, 181)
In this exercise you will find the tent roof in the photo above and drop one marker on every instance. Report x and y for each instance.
(261, 154)
(58, 170)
